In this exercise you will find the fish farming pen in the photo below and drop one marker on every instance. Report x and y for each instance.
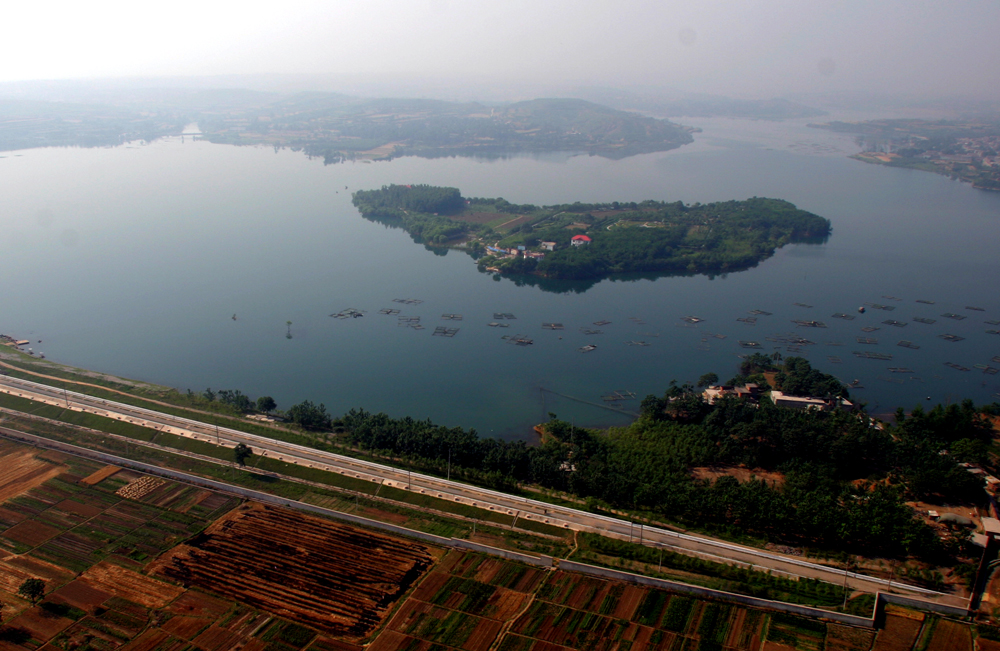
(495, 324)
(808, 324)
(920, 319)
(636, 320)
(349, 313)
(951, 338)
(636, 343)
(870, 329)
(589, 331)
(750, 344)
(957, 367)
(760, 313)
(974, 309)
(867, 340)
(388, 310)
(920, 300)
(503, 315)
(717, 336)
(992, 322)
(952, 315)
(517, 340)
(614, 407)
(410, 322)
(908, 344)
(900, 369)
(692, 319)
(451, 317)
(878, 306)
(616, 396)
(792, 339)
(553, 326)
(801, 305)
(442, 331)
(869, 355)
(996, 359)
(833, 359)
(407, 301)
(893, 322)
(989, 370)
(747, 320)
(841, 315)
(993, 332)
(834, 343)
(588, 348)
(891, 298)
(648, 334)
(601, 323)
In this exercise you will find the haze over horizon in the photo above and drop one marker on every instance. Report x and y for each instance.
(753, 50)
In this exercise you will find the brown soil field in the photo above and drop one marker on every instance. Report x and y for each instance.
(393, 641)
(21, 471)
(42, 625)
(847, 638)
(987, 645)
(216, 638)
(31, 533)
(79, 508)
(899, 634)
(97, 477)
(775, 646)
(186, 627)
(337, 578)
(631, 598)
(329, 644)
(130, 585)
(742, 474)
(81, 595)
(9, 517)
(950, 636)
(15, 569)
(195, 604)
(148, 641)
(416, 616)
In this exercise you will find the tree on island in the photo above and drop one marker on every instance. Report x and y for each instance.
(266, 404)
(33, 589)
(708, 379)
(241, 453)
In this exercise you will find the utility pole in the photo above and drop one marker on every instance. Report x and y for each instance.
(218, 440)
(449, 464)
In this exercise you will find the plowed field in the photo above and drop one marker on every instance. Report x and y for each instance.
(313, 571)
(22, 471)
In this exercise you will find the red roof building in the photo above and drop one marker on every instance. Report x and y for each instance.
(580, 239)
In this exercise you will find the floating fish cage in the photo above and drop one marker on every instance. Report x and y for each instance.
(957, 367)
(867, 340)
(801, 305)
(442, 331)
(748, 320)
(407, 301)
(750, 344)
(494, 324)
(760, 313)
(898, 369)
(921, 319)
(952, 315)
(809, 324)
(636, 343)
(388, 310)
(451, 317)
(349, 313)
(920, 300)
(870, 329)
(841, 315)
(951, 338)
(868, 355)
(908, 344)
(588, 348)
(877, 306)
(589, 331)
(975, 309)
(602, 323)
(553, 326)
(692, 319)
(503, 315)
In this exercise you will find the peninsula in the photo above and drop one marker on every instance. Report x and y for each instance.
(960, 149)
(588, 241)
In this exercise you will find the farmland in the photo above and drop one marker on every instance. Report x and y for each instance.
(144, 563)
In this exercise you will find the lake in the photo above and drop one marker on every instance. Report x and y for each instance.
(133, 261)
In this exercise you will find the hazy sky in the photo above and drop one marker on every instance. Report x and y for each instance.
(746, 48)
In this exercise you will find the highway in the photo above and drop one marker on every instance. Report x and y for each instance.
(515, 506)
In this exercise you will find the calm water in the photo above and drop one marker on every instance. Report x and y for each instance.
(133, 261)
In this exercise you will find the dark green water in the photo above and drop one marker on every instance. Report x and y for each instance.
(133, 261)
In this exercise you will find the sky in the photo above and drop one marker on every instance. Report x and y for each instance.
(742, 48)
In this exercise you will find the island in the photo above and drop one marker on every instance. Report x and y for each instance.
(960, 149)
(586, 241)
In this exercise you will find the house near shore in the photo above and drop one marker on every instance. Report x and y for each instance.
(547, 246)
(747, 391)
(580, 240)
(809, 402)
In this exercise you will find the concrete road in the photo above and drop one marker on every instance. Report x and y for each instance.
(515, 506)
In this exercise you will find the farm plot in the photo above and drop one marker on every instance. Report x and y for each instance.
(950, 636)
(899, 634)
(336, 578)
(22, 470)
(797, 632)
(454, 628)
